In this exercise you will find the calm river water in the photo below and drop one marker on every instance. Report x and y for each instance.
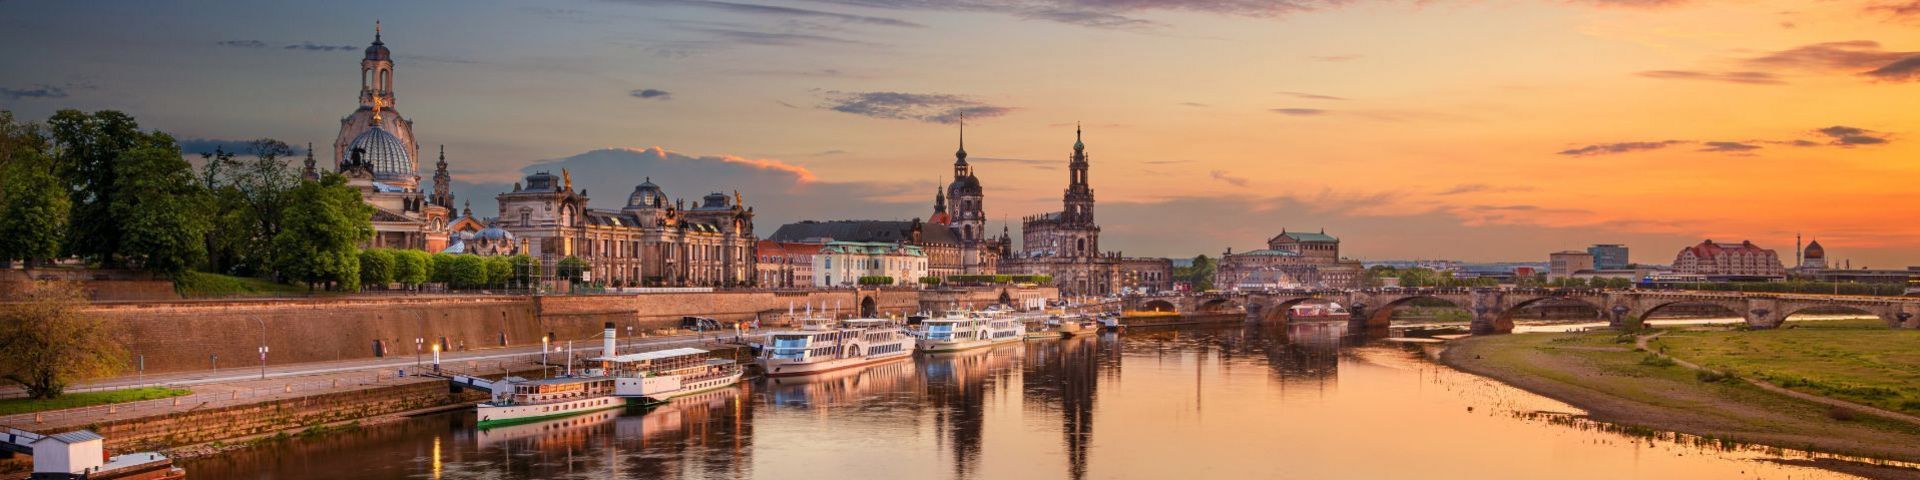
(1302, 401)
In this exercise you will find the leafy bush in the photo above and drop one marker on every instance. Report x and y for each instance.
(376, 267)
(468, 271)
(876, 280)
(411, 267)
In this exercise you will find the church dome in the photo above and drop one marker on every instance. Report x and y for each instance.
(969, 185)
(385, 152)
(646, 194)
(378, 50)
(493, 234)
(1814, 250)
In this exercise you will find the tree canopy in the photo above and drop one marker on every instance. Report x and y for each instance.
(49, 343)
(325, 224)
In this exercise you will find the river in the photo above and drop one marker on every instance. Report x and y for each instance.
(1302, 401)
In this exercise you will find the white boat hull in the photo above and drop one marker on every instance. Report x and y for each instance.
(660, 389)
(781, 368)
(489, 413)
(951, 346)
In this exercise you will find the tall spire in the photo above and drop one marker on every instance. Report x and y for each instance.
(961, 155)
(1077, 145)
(310, 173)
(376, 32)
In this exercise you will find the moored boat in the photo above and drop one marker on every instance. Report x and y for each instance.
(968, 330)
(822, 345)
(663, 374)
(530, 400)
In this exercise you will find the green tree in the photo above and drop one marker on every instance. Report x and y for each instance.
(469, 271)
(572, 268)
(411, 267)
(440, 268)
(320, 240)
(376, 267)
(160, 209)
(89, 150)
(50, 343)
(33, 208)
(499, 271)
(250, 193)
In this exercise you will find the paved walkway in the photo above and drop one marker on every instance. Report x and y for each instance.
(229, 387)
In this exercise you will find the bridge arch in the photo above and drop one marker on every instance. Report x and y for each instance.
(1504, 322)
(1216, 305)
(1279, 311)
(1380, 316)
(868, 307)
(1731, 309)
(1157, 305)
(1890, 316)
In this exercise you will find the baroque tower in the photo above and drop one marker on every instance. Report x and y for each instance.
(397, 165)
(1079, 196)
(969, 217)
(442, 182)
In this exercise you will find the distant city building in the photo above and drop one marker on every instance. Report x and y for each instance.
(944, 250)
(1722, 261)
(842, 264)
(1564, 264)
(784, 264)
(1066, 244)
(1814, 257)
(377, 153)
(1609, 256)
(649, 242)
(1291, 260)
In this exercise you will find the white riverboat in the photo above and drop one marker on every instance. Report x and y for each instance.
(822, 345)
(661, 375)
(968, 330)
(531, 400)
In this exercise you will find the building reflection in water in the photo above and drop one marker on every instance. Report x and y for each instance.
(1062, 377)
(702, 435)
(958, 385)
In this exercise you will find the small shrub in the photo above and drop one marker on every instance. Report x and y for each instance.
(1623, 338)
(1656, 361)
(1711, 376)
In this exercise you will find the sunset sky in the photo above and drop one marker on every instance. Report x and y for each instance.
(1473, 130)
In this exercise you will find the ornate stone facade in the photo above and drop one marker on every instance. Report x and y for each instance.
(1291, 260)
(1066, 245)
(1730, 261)
(377, 153)
(649, 242)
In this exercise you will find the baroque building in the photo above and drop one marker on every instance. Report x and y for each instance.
(378, 155)
(1066, 244)
(1730, 261)
(1291, 260)
(651, 241)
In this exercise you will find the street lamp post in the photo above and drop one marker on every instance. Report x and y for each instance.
(436, 358)
(263, 347)
(418, 344)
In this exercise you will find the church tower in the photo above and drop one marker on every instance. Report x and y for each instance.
(939, 206)
(968, 218)
(1079, 197)
(392, 150)
(442, 182)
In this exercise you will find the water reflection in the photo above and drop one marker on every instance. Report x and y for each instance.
(1304, 400)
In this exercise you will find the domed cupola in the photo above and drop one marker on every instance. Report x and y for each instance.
(493, 233)
(378, 50)
(1814, 250)
(385, 152)
(647, 195)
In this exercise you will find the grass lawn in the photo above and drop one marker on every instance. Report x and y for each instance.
(1861, 361)
(13, 406)
(214, 285)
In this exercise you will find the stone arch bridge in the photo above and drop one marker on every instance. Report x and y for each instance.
(1493, 309)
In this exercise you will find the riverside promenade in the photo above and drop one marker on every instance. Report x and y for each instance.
(214, 389)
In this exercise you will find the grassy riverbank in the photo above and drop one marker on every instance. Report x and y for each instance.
(1604, 374)
(1859, 361)
(13, 406)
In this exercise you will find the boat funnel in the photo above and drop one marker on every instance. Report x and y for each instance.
(607, 349)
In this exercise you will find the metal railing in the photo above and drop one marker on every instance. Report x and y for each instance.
(229, 396)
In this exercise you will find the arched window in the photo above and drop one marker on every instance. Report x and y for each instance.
(1082, 248)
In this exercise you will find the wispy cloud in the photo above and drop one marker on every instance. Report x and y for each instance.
(1904, 70)
(1230, 179)
(1728, 147)
(1853, 56)
(1619, 147)
(1467, 188)
(303, 46)
(1844, 136)
(1750, 78)
(1193, 104)
(243, 43)
(651, 94)
(1299, 112)
(41, 91)
(1311, 96)
(925, 107)
(1334, 58)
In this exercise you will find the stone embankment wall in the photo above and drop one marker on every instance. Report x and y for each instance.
(176, 336)
(201, 426)
(101, 285)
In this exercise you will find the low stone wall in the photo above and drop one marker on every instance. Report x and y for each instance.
(189, 335)
(202, 426)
